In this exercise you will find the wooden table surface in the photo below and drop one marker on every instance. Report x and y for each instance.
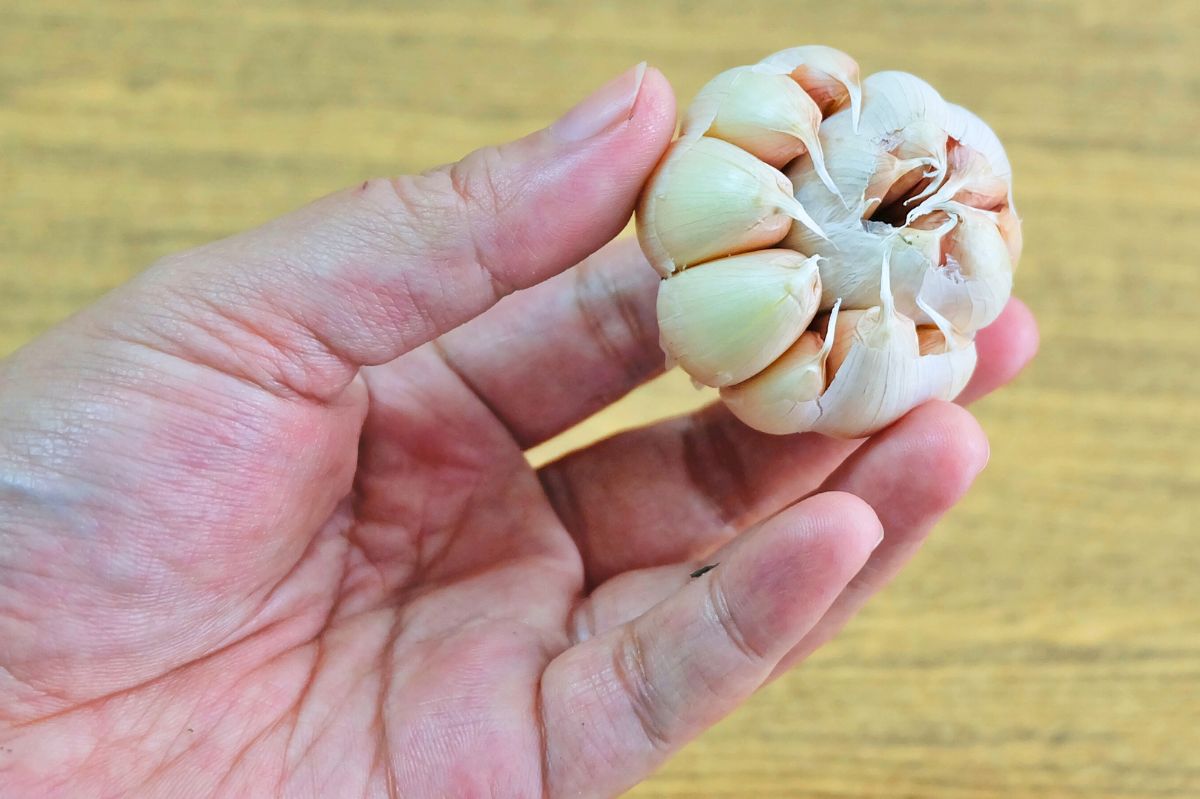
(1047, 641)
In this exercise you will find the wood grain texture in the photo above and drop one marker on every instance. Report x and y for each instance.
(1047, 641)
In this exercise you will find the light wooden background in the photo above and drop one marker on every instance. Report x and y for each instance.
(1047, 642)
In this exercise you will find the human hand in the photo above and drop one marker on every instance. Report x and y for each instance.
(266, 525)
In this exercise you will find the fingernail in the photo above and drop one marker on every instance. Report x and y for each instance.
(610, 104)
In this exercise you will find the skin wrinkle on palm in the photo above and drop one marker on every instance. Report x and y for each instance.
(357, 578)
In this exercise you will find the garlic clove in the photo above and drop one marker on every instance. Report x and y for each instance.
(780, 399)
(901, 142)
(827, 75)
(726, 320)
(971, 131)
(708, 199)
(874, 368)
(875, 387)
(971, 287)
(876, 371)
(968, 129)
(1010, 228)
(765, 113)
(876, 382)
(969, 180)
(946, 365)
(851, 258)
(895, 101)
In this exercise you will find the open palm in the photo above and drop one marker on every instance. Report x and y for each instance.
(267, 528)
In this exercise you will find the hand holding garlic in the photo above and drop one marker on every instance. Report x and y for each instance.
(298, 457)
(839, 293)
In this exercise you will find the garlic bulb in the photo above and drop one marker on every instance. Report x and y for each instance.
(872, 232)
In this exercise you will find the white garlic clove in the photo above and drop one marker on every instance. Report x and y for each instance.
(971, 131)
(877, 381)
(708, 199)
(902, 132)
(946, 364)
(851, 257)
(1010, 228)
(969, 181)
(726, 320)
(826, 74)
(947, 357)
(779, 399)
(875, 387)
(851, 163)
(972, 285)
(765, 113)
(876, 370)
(894, 102)
(967, 128)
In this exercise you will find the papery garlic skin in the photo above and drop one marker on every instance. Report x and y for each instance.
(903, 201)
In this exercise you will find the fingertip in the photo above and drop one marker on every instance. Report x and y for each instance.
(912, 472)
(1015, 332)
(588, 176)
(968, 441)
(781, 581)
(1005, 348)
(654, 110)
(919, 467)
(1026, 330)
(946, 442)
(831, 533)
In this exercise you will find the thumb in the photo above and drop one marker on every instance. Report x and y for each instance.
(364, 275)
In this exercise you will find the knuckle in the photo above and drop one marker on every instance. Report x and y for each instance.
(617, 321)
(480, 197)
(630, 668)
(731, 628)
(479, 182)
